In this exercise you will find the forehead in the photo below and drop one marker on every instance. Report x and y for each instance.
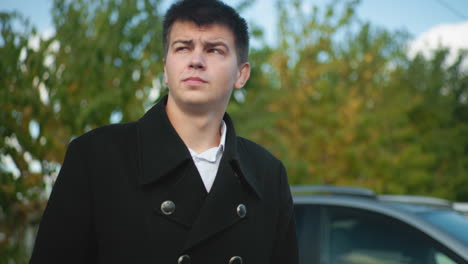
(184, 30)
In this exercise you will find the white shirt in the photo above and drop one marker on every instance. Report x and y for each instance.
(207, 162)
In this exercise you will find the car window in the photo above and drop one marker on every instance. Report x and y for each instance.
(441, 258)
(341, 235)
(358, 236)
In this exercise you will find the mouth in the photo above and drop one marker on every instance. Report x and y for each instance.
(194, 81)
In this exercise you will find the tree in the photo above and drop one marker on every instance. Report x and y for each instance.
(341, 103)
(329, 70)
(440, 117)
(102, 64)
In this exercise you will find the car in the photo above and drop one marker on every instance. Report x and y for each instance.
(351, 225)
(461, 207)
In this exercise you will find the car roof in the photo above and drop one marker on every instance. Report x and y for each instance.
(407, 209)
(461, 207)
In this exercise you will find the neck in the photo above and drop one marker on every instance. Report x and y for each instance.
(199, 131)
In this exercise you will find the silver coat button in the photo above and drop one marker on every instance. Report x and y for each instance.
(241, 210)
(235, 260)
(168, 207)
(184, 259)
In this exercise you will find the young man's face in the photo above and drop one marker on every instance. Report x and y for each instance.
(201, 66)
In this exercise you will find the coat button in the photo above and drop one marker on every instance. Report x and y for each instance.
(168, 207)
(241, 210)
(235, 260)
(184, 259)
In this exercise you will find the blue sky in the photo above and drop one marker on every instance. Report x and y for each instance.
(416, 16)
(431, 23)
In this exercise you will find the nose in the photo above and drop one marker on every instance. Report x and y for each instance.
(197, 61)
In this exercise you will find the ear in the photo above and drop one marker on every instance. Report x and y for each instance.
(244, 75)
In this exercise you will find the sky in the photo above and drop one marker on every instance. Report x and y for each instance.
(430, 22)
(417, 16)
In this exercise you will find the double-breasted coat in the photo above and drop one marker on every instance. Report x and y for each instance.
(130, 193)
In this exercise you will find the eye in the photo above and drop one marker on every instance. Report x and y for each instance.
(215, 51)
(181, 48)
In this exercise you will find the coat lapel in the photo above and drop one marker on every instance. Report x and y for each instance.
(219, 210)
(161, 149)
(231, 188)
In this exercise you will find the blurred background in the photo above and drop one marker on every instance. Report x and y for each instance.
(359, 93)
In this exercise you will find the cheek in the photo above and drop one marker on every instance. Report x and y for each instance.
(229, 71)
(171, 71)
(235, 73)
(228, 76)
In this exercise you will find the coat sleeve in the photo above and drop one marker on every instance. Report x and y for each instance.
(65, 233)
(285, 246)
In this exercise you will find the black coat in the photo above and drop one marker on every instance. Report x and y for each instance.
(107, 205)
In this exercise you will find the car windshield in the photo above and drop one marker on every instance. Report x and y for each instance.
(451, 222)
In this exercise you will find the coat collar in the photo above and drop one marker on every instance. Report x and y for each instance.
(161, 150)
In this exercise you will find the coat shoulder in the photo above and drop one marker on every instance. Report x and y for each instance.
(108, 134)
(249, 149)
(267, 173)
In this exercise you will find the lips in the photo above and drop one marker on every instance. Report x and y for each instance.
(194, 80)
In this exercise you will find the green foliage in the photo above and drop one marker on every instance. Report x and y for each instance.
(440, 120)
(18, 191)
(104, 60)
(340, 103)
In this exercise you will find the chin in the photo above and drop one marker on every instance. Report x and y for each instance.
(198, 102)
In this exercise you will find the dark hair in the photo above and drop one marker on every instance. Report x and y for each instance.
(208, 12)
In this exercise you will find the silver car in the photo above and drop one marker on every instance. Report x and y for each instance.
(348, 225)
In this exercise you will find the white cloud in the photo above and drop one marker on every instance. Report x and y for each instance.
(34, 41)
(451, 36)
(47, 33)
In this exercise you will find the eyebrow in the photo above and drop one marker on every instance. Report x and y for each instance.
(209, 44)
(185, 42)
(215, 44)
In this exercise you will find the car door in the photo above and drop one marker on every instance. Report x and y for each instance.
(343, 235)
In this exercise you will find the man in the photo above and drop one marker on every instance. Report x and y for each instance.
(176, 186)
